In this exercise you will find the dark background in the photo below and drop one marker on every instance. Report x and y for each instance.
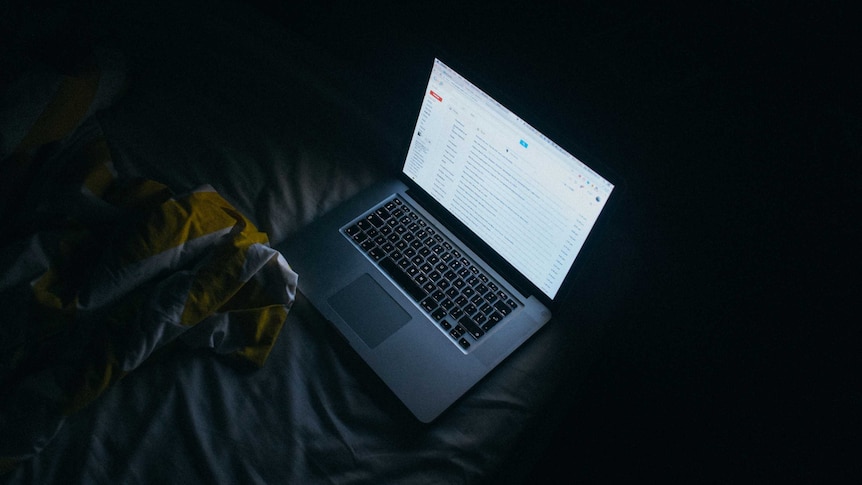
(722, 323)
(737, 130)
(725, 342)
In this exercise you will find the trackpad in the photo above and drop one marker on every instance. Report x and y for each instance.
(369, 310)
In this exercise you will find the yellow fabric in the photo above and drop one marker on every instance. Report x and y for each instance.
(99, 177)
(64, 112)
(260, 327)
(167, 269)
(178, 221)
(121, 269)
(209, 292)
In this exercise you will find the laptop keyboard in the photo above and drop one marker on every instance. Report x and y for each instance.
(455, 292)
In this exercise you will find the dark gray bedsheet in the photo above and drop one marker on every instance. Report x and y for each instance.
(705, 343)
(218, 95)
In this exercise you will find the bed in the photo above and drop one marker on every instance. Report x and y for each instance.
(687, 350)
(224, 130)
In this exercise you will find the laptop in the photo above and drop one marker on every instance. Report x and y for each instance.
(437, 275)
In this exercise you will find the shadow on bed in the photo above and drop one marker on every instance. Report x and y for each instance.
(139, 159)
(124, 120)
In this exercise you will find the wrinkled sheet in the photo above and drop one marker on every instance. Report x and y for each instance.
(110, 271)
(282, 146)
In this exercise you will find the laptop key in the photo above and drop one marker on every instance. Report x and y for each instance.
(446, 284)
(402, 278)
(471, 327)
(375, 220)
(429, 305)
(493, 319)
(503, 308)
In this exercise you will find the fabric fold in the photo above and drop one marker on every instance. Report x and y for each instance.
(102, 291)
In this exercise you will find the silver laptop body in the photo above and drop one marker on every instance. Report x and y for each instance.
(436, 276)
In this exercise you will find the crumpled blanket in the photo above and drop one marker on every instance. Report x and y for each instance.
(106, 272)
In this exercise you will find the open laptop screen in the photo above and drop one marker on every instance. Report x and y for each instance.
(523, 195)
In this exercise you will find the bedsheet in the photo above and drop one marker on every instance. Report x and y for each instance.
(104, 272)
(281, 147)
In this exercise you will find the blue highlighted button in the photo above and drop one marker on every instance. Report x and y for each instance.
(523, 144)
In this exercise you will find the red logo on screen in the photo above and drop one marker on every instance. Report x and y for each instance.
(436, 96)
